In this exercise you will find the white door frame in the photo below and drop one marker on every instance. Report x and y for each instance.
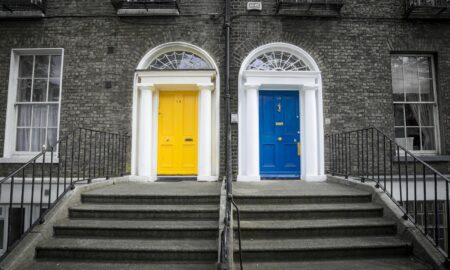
(309, 85)
(147, 86)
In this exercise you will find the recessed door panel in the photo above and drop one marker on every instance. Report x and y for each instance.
(279, 122)
(177, 133)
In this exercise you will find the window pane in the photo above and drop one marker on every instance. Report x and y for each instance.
(39, 116)
(411, 80)
(37, 139)
(426, 115)
(53, 90)
(53, 116)
(55, 66)
(412, 114)
(40, 90)
(424, 65)
(23, 139)
(428, 139)
(413, 137)
(397, 78)
(398, 115)
(2, 229)
(399, 132)
(25, 66)
(41, 66)
(24, 90)
(24, 116)
(51, 136)
(426, 90)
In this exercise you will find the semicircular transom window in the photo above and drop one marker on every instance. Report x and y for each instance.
(278, 61)
(178, 60)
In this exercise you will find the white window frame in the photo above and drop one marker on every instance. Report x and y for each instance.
(434, 103)
(10, 155)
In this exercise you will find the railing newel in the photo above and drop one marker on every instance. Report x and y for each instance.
(436, 216)
(50, 178)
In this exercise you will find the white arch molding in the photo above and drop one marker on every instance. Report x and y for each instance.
(308, 82)
(147, 86)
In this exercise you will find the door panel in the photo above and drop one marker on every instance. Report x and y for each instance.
(279, 121)
(177, 133)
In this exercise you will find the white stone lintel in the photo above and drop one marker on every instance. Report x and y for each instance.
(146, 87)
(205, 86)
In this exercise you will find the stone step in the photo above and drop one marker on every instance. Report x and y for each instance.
(142, 229)
(149, 199)
(106, 265)
(395, 263)
(302, 199)
(321, 248)
(128, 249)
(260, 229)
(309, 211)
(138, 211)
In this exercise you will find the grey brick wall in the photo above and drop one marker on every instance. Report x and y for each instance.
(352, 51)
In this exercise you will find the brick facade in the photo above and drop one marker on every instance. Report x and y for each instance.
(352, 51)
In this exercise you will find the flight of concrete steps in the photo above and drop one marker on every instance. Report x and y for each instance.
(137, 226)
(287, 225)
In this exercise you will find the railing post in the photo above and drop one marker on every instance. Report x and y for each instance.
(44, 150)
(22, 218)
(391, 155)
(384, 162)
(11, 194)
(436, 216)
(50, 178)
(425, 222)
(346, 154)
(357, 153)
(377, 185)
(373, 157)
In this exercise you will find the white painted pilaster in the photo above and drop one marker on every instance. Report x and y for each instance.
(310, 153)
(252, 136)
(205, 133)
(144, 151)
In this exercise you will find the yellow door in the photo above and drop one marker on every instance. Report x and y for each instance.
(177, 133)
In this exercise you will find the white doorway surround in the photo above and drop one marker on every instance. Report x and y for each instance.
(191, 69)
(281, 66)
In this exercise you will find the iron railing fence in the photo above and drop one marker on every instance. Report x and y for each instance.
(34, 188)
(428, 9)
(419, 190)
(23, 5)
(428, 3)
(146, 4)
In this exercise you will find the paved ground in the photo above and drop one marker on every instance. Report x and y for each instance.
(161, 188)
(292, 187)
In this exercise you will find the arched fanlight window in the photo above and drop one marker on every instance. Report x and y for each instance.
(178, 60)
(278, 61)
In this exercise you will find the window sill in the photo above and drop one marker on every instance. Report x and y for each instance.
(25, 159)
(426, 158)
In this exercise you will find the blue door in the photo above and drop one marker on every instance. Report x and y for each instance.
(279, 134)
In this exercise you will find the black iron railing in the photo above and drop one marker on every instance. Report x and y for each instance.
(34, 188)
(419, 190)
(145, 4)
(23, 5)
(428, 3)
(428, 8)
